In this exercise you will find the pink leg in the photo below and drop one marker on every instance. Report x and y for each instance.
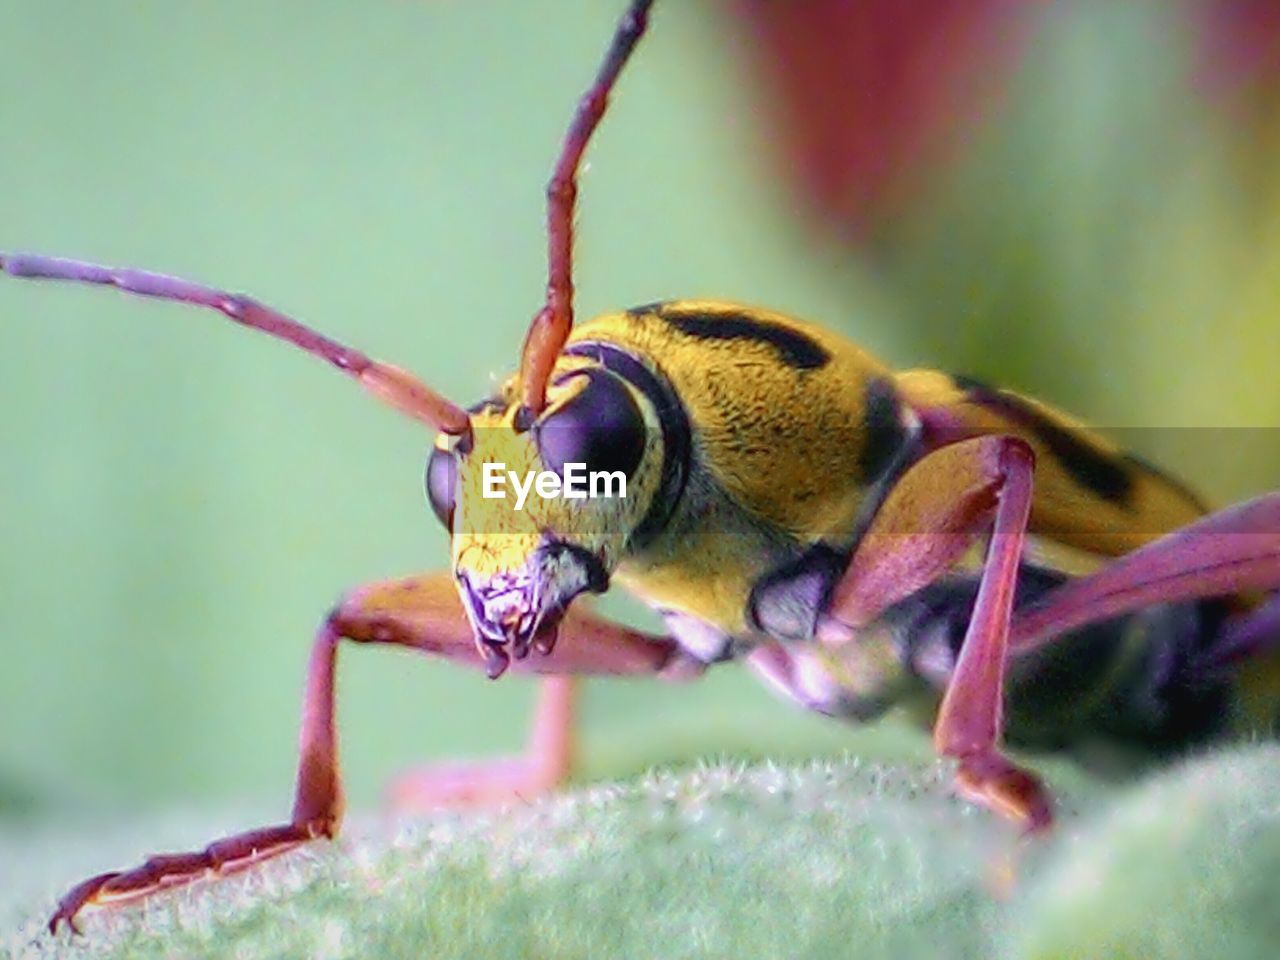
(390, 384)
(970, 719)
(1250, 634)
(317, 809)
(550, 327)
(421, 612)
(928, 521)
(1235, 550)
(546, 764)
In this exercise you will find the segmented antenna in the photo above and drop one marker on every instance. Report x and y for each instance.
(392, 385)
(551, 325)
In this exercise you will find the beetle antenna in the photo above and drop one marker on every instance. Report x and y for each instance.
(393, 386)
(551, 325)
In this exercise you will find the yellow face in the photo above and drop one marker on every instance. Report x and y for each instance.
(542, 514)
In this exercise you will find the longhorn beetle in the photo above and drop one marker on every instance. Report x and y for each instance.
(860, 537)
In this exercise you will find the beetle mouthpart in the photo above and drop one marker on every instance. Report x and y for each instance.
(506, 611)
(510, 616)
(516, 640)
(544, 639)
(496, 660)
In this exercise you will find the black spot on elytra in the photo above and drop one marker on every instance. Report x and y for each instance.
(1102, 474)
(885, 433)
(795, 348)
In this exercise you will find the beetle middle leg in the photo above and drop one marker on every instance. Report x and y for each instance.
(423, 613)
(927, 523)
(546, 763)
(548, 758)
(923, 528)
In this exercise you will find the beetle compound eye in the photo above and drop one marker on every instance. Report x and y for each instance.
(442, 481)
(601, 426)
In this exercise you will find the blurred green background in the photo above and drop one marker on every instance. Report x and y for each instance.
(181, 501)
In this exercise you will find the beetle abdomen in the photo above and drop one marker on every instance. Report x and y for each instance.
(1136, 678)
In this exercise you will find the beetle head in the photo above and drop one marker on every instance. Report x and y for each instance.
(540, 509)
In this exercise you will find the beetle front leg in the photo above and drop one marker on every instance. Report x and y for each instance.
(423, 613)
(317, 808)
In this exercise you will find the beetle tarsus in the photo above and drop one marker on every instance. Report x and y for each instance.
(170, 869)
(75, 900)
(993, 781)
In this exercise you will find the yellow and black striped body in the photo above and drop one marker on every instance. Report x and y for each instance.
(789, 428)
(788, 436)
